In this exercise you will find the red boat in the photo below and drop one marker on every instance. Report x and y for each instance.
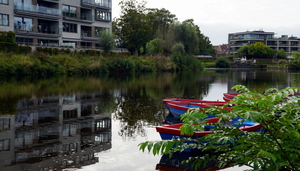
(172, 131)
(205, 102)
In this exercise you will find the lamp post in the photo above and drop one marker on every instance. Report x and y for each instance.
(27, 42)
(27, 39)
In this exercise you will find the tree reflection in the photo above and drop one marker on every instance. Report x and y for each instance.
(136, 110)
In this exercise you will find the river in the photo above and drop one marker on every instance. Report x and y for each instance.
(95, 123)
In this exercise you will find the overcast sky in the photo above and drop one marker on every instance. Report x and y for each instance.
(217, 18)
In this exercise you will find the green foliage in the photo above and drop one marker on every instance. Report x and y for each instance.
(24, 49)
(185, 33)
(282, 61)
(186, 62)
(106, 40)
(134, 28)
(9, 37)
(274, 149)
(295, 64)
(178, 48)
(222, 62)
(255, 50)
(154, 47)
(296, 55)
(281, 54)
(9, 47)
(122, 65)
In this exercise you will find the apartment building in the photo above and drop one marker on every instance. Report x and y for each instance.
(239, 39)
(75, 23)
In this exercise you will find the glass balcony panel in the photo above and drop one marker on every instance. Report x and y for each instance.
(36, 8)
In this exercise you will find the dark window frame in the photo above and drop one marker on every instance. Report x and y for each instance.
(2, 20)
(70, 27)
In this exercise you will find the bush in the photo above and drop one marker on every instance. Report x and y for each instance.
(282, 61)
(178, 48)
(24, 49)
(9, 37)
(222, 62)
(8, 47)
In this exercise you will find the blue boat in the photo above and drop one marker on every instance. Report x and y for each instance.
(180, 108)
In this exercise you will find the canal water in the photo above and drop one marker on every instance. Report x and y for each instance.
(95, 123)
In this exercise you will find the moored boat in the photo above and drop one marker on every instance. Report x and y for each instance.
(169, 132)
(180, 108)
(230, 95)
(205, 102)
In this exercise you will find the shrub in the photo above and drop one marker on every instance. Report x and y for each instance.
(8, 47)
(282, 61)
(222, 62)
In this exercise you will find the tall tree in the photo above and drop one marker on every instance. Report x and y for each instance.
(106, 40)
(184, 33)
(134, 28)
(162, 18)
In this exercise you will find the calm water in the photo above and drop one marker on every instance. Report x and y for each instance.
(96, 123)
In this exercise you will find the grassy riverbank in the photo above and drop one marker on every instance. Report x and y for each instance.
(39, 63)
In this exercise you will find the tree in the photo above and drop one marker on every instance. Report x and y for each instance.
(154, 47)
(275, 149)
(243, 51)
(204, 45)
(256, 50)
(281, 54)
(134, 27)
(162, 18)
(107, 40)
(186, 34)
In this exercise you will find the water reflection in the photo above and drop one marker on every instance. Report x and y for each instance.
(63, 122)
(53, 133)
(175, 163)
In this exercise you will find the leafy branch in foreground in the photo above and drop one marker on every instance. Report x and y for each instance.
(277, 148)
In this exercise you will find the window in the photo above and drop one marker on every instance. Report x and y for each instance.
(5, 124)
(69, 11)
(69, 27)
(3, 19)
(4, 2)
(103, 15)
(4, 145)
(22, 23)
(98, 30)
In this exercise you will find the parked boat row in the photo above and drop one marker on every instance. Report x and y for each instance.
(177, 107)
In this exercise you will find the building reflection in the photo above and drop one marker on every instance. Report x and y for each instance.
(174, 163)
(54, 133)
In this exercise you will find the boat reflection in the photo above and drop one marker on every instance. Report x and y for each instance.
(175, 163)
(54, 133)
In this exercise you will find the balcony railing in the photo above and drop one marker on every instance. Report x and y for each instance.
(83, 17)
(96, 3)
(87, 35)
(37, 9)
(33, 30)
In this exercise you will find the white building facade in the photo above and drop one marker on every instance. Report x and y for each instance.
(239, 39)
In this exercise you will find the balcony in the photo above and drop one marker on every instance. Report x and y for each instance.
(38, 30)
(87, 35)
(36, 11)
(96, 4)
(86, 18)
(247, 38)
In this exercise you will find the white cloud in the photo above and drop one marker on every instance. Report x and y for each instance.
(217, 18)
